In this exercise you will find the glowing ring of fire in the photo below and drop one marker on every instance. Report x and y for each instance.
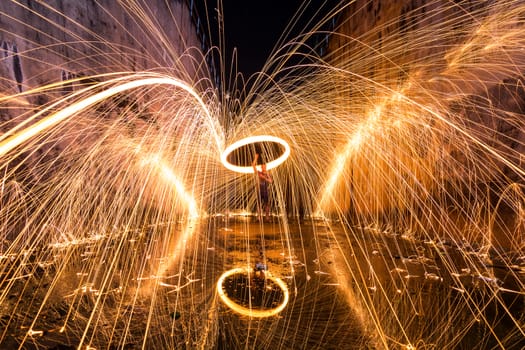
(248, 311)
(253, 139)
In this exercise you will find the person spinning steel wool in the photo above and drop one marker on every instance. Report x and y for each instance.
(263, 180)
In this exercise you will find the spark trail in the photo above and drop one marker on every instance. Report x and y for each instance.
(398, 200)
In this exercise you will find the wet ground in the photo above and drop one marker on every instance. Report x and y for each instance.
(366, 287)
(350, 288)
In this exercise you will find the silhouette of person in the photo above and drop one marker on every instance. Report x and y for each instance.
(263, 180)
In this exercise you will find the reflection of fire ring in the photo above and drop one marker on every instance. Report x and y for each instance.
(250, 312)
(254, 140)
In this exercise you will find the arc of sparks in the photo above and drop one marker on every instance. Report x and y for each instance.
(15, 140)
(170, 176)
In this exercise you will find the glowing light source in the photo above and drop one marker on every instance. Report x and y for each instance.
(250, 312)
(252, 140)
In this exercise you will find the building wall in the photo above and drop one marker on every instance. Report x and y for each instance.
(46, 41)
(420, 76)
(49, 42)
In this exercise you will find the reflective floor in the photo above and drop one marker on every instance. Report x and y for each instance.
(349, 288)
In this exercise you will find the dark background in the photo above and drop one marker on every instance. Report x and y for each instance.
(255, 28)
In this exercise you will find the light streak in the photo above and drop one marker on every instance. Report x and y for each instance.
(119, 207)
(169, 175)
(67, 112)
(247, 311)
(254, 139)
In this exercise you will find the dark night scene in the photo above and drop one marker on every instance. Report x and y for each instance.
(218, 175)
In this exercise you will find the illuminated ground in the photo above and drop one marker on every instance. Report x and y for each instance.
(421, 285)
(406, 145)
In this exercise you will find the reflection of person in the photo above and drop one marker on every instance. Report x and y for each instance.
(260, 270)
(263, 179)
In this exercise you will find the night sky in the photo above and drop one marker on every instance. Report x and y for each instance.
(254, 28)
